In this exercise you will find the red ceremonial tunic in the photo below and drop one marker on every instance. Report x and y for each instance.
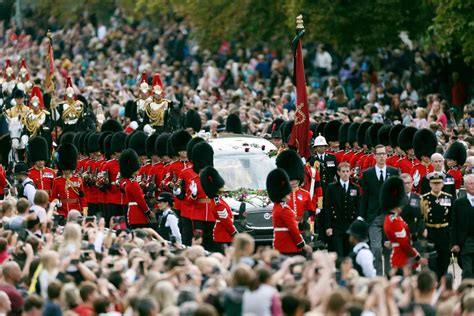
(398, 233)
(113, 193)
(417, 173)
(137, 206)
(355, 159)
(457, 175)
(3, 180)
(173, 174)
(224, 228)
(347, 157)
(155, 176)
(200, 204)
(339, 154)
(101, 193)
(70, 192)
(300, 201)
(369, 162)
(42, 178)
(406, 164)
(286, 235)
(309, 174)
(392, 160)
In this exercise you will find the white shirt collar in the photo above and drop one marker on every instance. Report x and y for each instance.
(344, 183)
(360, 245)
(384, 170)
(470, 198)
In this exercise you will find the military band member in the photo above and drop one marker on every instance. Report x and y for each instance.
(326, 162)
(392, 198)
(224, 229)
(405, 140)
(455, 158)
(341, 208)
(68, 189)
(462, 232)
(437, 160)
(38, 156)
(139, 214)
(287, 238)
(397, 151)
(424, 143)
(436, 209)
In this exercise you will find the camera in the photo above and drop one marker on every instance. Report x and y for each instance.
(118, 219)
(90, 219)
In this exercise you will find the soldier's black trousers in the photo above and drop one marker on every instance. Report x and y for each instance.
(187, 231)
(92, 209)
(441, 240)
(207, 234)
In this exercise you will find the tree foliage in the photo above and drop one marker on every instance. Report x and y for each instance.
(453, 28)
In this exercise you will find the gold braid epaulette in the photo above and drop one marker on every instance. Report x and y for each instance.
(424, 207)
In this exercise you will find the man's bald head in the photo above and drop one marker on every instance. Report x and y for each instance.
(11, 272)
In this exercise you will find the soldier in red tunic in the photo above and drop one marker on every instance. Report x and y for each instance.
(287, 238)
(331, 133)
(383, 136)
(139, 214)
(352, 141)
(344, 145)
(405, 140)
(357, 159)
(392, 198)
(397, 151)
(372, 141)
(38, 155)
(224, 229)
(157, 169)
(104, 157)
(137, 142)
(92, 172)
(424, 143)
(456, 156)
(68, 190)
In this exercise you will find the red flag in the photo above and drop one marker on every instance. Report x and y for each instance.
(49, 81)
(300, 137)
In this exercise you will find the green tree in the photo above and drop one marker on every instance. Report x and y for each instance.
(453, 28)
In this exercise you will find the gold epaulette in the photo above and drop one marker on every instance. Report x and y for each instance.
(448, 194)
(304, 190)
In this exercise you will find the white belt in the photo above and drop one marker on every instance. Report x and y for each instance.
(395, 244)
(218, 221)
(281, 229)
(132, 203)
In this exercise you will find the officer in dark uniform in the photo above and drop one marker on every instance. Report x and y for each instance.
(168, 222)
(436, 209)
(362, 257)
(411, 212)
(327, 162)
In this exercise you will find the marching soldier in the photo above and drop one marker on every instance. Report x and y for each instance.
(455, 159)
(130, 117)
(361, 142)
(38, 155)
(192, 122)
(3, 182)
(437, 160)
(156, 170)
(344, 145)
(372, 140)
(150, 183)
(224, 229)
(436, 209)
(325, 162)
(139, 214)
(352, 140)
(287, 238)
(424, 143)
(104, 157)
(138, 144)
(68, 189)
(331, 133)
(392, 197)
(383, 136)
(405, 140)
(341, 207)
(397, 151)
(92, 168)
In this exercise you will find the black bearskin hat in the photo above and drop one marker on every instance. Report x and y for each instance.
(372, 134)
(85, 144)
(138, 143)
(361, 131)
(67, 137)
(129, 163)
(331, 131)
(392, 194)
(170, 152)
(161, 143)
(320, 129)
(192, 120)
(93, 143)
(108, 145)
(289, 161)
(118, 142)
(211, 181)
(112, 126)
(80, 145)
(278, 185)
(67, 157)
(77, 139)
(233, 124)
(287, 127)
(203, 156)
(457, 152)
(179, 140)
(189, 148)
(101, 141)
(131, 110)
(424, 143)
(405, 138)
(384, 135)
(343, 135)
(394, 133)
(275, 128)
(38, 149)
(128, 138)
(352, 133)
(150, 145)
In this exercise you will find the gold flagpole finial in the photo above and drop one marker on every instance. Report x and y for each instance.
(299, 22)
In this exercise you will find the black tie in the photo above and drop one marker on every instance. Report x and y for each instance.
(381, 176)
(345, 187)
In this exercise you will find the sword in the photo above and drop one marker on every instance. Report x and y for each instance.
(454, 268)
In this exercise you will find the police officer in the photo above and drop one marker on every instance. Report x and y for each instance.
(26, 186)
(436, 209)
(362, 257)
(168, 223)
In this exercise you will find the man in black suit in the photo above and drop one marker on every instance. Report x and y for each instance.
(462, 232)
(340, 208)
(437, 160)
(327, 162)
(371, 182)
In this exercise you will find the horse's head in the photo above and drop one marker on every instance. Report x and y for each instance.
(15, 128)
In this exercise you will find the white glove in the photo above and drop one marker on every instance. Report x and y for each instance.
(193, 187)
(134, 125)
(13, 102)
(318, 210)
(177, 191)
(148, 129)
